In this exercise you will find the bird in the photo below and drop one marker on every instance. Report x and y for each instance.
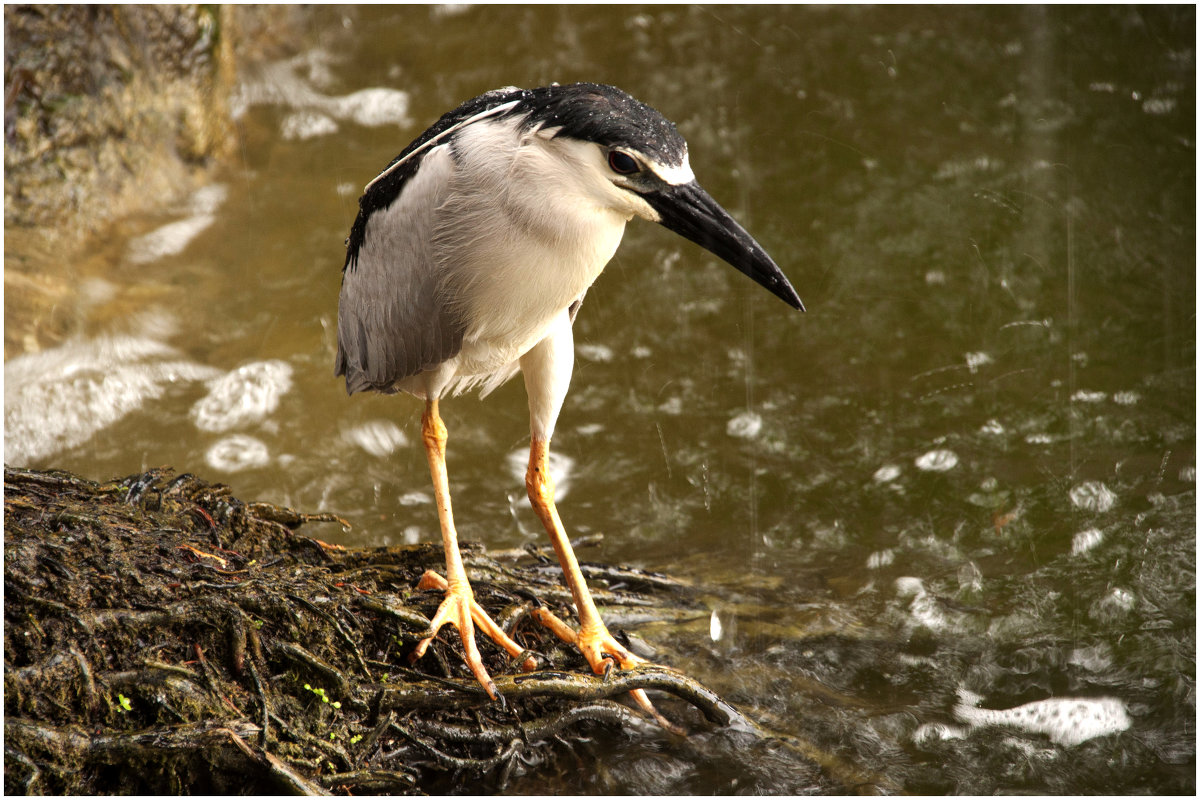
(468, 261)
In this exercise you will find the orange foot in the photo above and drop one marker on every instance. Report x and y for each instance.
(602, 652)
(460, 609)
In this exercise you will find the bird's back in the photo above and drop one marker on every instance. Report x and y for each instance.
(393, 320)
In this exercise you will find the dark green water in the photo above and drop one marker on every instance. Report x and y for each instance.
(968, 470)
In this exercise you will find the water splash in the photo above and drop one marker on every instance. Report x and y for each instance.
(1086, 540)
(881, 558)
(1114, 606)
(938, 731)
(1067, 721)
(924, 608)
(236, 453)
(377, 437)
(937, 461)
(59, 398)
(715, 629)
(745, 425)
(246, 395)
(561, 470)
(1092, 496)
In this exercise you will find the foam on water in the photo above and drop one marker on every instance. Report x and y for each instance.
(1067, 721)
(59, 398)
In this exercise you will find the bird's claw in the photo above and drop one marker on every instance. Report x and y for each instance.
(452, 610)
(456, 609)
(614, 656)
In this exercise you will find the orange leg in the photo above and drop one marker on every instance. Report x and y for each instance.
(598, 646)
(459, 607)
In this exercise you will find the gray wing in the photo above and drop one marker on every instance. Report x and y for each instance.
(393, 318)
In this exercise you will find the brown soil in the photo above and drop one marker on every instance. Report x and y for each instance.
(163, 637)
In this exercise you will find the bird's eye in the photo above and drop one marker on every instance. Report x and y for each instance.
(622, 163)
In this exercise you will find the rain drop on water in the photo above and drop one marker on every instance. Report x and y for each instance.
(236, 453)
(1086, 540)
(886, 473)
(377, 437)
(1093, 496)
(937, 461)
(744, 426)
(246, 395)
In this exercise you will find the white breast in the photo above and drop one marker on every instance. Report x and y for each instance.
(521, 237)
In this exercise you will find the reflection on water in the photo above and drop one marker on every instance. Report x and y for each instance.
(1067, 722)
(943, 524)
(174, 237)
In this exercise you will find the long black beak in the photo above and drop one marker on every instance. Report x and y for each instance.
(692, 213)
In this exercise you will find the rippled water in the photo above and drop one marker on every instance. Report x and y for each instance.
(944, 522)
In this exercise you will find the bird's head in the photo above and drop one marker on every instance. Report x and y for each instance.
(638, 163)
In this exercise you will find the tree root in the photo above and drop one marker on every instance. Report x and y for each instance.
(161, 636)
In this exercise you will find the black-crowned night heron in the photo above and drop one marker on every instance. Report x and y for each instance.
(468, 261)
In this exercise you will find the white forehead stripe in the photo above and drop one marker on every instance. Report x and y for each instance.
(676, 176)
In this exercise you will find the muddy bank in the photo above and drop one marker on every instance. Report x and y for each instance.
(109, 112)
(162, 636)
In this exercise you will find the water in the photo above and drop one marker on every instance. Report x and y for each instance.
(948, 505)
